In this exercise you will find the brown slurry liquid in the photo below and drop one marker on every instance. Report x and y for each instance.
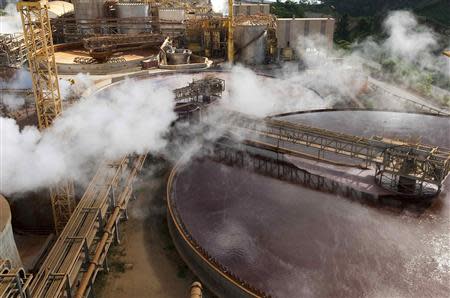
(290, 241)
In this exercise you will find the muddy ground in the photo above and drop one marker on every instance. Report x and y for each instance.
(146, 263)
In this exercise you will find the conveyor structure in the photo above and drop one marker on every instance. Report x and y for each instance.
(81, 248)
(103, 47)
(200, 90)
(412, 169)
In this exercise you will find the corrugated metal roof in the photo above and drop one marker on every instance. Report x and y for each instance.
(59, 8)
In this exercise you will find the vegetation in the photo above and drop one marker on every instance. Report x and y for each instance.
(434, 9)
(357, 19)
(287, 9)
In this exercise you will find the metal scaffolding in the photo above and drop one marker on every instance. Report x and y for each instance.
(14, 282)
(41, 59)
(414, 169)
(269, 160)
(102, 47)
(203, 90)
(13, 52)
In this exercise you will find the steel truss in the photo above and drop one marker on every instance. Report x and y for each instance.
(14, 282)
(81, 248)
(13, 52)
(412, 168)
(104, 46)
(200, 90)
(267, 161)
(67, 29)
(41, 60)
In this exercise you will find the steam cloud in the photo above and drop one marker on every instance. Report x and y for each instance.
(10, 23)
(135, 116)
(220, 6)
(107, 126)
(406, 38)
(413, 47)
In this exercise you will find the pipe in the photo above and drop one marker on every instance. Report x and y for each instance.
(108, 231)
(196, 290)
(230, 33)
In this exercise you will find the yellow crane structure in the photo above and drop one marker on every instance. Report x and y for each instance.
(230, 41)
(41, 59)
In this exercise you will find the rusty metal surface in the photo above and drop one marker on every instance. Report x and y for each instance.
(102, 47)
(425, 167)
(290, 241)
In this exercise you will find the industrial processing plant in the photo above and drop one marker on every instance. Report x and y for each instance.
(165, 148)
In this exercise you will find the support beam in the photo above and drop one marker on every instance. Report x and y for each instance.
(41, 59)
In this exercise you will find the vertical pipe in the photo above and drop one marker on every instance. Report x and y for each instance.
(196, 290)
(230, 32)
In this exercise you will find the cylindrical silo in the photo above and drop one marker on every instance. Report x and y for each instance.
(140, 12)
(8, 248)
(250, 43)
(86, 11)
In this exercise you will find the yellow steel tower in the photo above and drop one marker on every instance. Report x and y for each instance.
(230, 45)
(38, 39)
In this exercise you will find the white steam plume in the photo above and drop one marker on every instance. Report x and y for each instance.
(20, 80)
(220, 6)
(11, 22)
(123, 121)
(407, 38)
(134, 119)
(12, 102)
(410, 53)
(75, 87)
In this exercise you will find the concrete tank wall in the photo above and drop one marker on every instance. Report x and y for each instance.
(294, 32)
(248, 9)
(250, 43)
(133, 10)
(8, 248)
(89, 9)
(171, 14)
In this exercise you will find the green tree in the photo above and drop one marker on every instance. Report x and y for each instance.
(342, 29)
(287, 9)
(363, 28)
(425, 83)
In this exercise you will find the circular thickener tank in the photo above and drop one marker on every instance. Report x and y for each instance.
(125, 11)
(244, 233)
(8, 248)
(250, 43)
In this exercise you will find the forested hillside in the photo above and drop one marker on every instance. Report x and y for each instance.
(434, 10)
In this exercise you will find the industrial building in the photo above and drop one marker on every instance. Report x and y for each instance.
(313, 199)
(297, 33)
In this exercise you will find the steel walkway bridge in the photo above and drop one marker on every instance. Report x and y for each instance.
(410, 169)
(80, 250)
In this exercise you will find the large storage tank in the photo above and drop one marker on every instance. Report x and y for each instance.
(8, 248)
(250, 43)
(127, 10)
(87, 10)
